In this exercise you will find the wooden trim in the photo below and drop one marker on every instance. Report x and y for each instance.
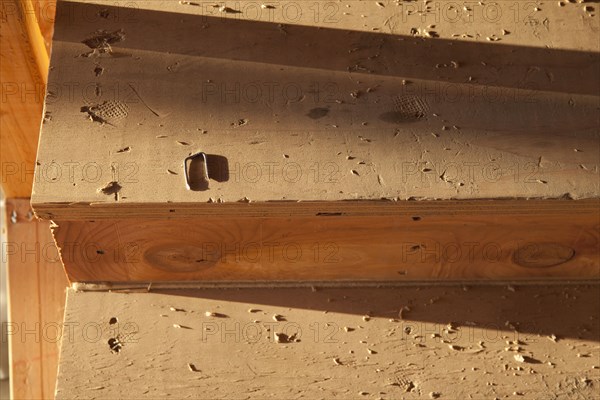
(426, 244)
(31, 20)
(86, 211)
(25, 60)
(148, 287)
(36, 284)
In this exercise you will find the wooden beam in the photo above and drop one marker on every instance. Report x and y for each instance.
(25, 31)
(425, 241)
(453, 342)
(36, 283)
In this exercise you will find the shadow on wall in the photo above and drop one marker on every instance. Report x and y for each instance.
(325, 48)
(529, 311)
(253, 55)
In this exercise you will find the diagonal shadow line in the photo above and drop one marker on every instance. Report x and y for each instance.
(530, 310)
(335, 49)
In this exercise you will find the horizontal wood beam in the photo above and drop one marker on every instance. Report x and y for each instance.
(420, 243)
(292, 209)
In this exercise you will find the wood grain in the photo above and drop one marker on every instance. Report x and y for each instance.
(36, 283)
(430, 243)
(311, 112)
(350, 343)
(25, 31)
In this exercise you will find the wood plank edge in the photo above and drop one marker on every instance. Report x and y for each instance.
(313, 285)
(93, 211)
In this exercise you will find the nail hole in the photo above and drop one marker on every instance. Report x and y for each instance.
(115, 345)
(113, 320)
(416, 218)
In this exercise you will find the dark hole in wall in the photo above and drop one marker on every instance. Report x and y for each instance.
(216, 168)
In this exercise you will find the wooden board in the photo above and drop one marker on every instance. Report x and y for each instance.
(313, 109)
(389, 343)
(26, 32)
(443, 241)
(36, 283)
